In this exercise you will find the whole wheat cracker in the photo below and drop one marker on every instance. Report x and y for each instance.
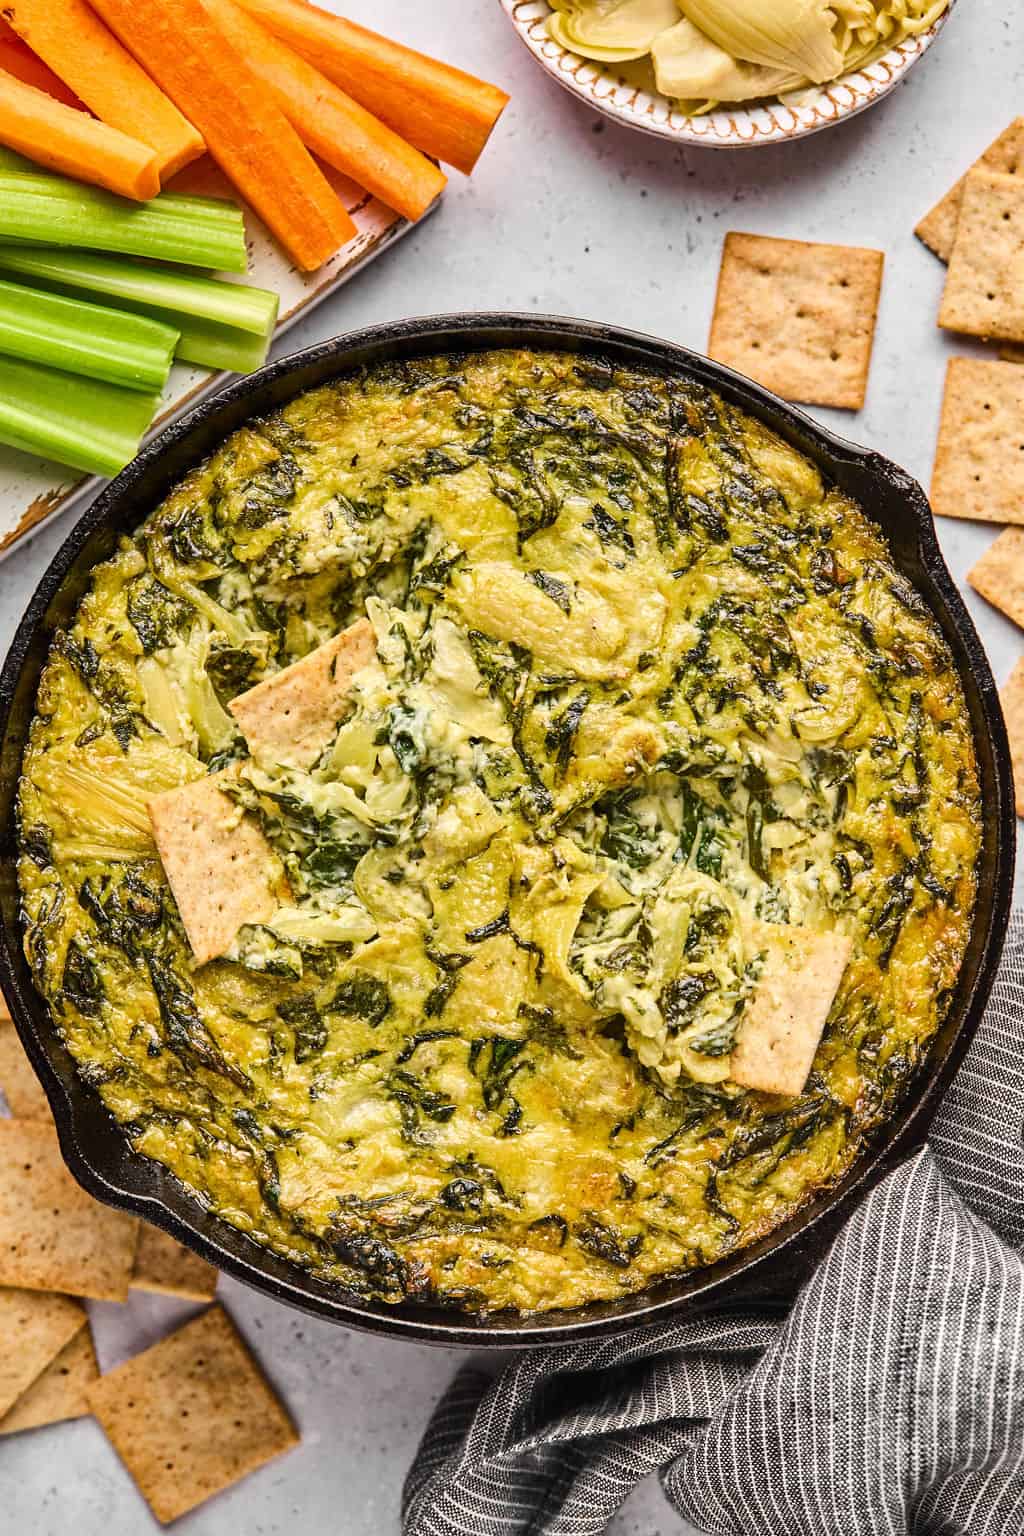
(292, 716)
(34, 1328)
(999, 575)
(979, 457)
(59, 1393)
(1006, 153)
(783, 1023)
(984, 292)
(164, 1265)
(222, 871)
(1011, 697)
(53, 1236)
(191, 1415)
(18, 1083)
(798, 317)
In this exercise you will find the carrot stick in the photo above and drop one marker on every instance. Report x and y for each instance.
(334, 126)
(245, 131)
(65, 140)
(19, 61)
(444, 112)
(73, 41)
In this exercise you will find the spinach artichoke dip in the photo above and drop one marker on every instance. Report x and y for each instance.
(501, 832)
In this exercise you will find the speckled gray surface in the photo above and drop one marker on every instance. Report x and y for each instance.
(566, 214)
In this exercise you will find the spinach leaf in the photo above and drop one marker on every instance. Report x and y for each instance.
(186, 1033)
(310, 1031)
(553, 588)
(610, 530)
(560, 737)
(81, 984)
(364, 997)
(155, 613)
(607, 1244)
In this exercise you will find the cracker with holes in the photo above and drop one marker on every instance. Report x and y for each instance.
(53, 1236)
(192, 1415)
(59, 1392)
(1006, 154)
(798, 317)
(221, 869)
(999, 575)
(34, 1328)
(984, 292)
(783, 1024)
(293, 715)
(164, 1265)
(979, 459)
(18, 1083)
(1011, 697)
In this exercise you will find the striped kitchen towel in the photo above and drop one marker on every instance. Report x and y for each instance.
(891, 1399)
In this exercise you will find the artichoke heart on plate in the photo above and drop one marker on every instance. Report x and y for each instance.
(689, 66)
(795, 35)
(611, 31)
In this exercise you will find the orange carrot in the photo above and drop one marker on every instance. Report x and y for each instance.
(72, 40)
(444, 112)
(19, 60)
(334, 126)
(74, 143)
(245, 131)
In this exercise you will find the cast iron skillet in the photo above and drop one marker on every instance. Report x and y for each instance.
(95, 1149)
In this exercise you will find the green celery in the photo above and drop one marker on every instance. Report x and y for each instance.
(85, 423)
(77, 337)
(213, 345)
(50, 210)
(10, 160)
(221, 324)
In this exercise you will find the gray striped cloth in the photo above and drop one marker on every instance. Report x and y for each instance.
(891, 1399)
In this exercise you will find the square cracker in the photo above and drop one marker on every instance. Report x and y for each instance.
(59, 1393)
(34, 1328)
(18, 1083)
(1011, 697)
(221, 869)
(984, 292)
(192, 1415)
(53, 1236)
(164, 1265)
(999, 574)
(798, 317)
(979, 458)
(938, 228)
(292, 716)
(782, 1027)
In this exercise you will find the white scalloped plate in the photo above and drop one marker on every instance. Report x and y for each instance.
(727, 128)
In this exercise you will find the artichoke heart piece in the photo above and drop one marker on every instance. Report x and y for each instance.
(794, 35)
(611, 31)
(688, 65)
(592, 641)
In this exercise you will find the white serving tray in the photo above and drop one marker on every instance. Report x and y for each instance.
(34, 491)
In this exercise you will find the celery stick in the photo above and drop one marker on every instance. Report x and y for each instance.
(10, 160)
(48, 210)
(85, 423)
(213, 345)
(85, 338)
(120, 277)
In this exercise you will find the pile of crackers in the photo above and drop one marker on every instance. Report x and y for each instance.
(978, 230)
(189, 1416)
